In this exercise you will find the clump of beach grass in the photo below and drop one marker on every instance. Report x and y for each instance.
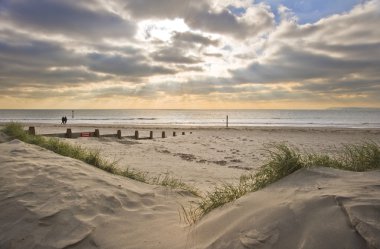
(172, 182)
(282, 160)
(137, 175)
(16, 130)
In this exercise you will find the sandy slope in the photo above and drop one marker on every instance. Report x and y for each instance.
(50, 201)
(315, 208)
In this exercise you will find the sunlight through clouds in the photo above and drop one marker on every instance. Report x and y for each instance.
(233, 52)
(161, 30)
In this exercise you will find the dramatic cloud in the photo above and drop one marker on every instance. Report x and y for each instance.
(341, 48)
(232, 52)
(35, 53)
(255, 21)
(204, 16)
(125, 66)
(68, 18)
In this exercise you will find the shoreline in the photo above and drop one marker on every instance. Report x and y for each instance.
(196, 127)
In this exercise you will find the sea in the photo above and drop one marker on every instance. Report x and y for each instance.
(345, 117)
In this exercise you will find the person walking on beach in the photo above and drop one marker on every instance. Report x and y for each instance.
(64, 120)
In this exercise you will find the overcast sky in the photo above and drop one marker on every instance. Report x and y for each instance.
(189, 54)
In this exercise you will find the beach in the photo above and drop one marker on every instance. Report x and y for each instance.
(164, 124)
(52, 201)
(209, 155)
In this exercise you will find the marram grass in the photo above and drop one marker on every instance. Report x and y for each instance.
(282, 161)
(15, 130)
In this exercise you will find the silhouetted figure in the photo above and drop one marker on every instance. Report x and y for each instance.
(63, 120)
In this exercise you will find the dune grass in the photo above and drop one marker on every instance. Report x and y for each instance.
(16, 130)
(282, 161)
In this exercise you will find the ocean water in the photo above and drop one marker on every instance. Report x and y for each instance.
(353, 118)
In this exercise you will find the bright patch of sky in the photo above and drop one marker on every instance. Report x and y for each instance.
(310, 11)
(161, 30)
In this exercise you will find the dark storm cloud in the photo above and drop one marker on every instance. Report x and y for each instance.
(66, 18)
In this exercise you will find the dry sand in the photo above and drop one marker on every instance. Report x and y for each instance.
(50, 201)
(208, 156)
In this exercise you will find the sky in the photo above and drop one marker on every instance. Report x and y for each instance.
(173, 54)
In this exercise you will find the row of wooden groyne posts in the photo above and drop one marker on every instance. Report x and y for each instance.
(96, 133)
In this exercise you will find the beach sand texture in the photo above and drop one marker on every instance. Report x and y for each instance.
(209, 156)
(51, 201)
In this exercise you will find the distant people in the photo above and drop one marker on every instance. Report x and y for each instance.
(64, 120)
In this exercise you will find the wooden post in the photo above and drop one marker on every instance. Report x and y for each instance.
(136, 134)
(119, 134)
(32, 130)
(69, 133)
(174, 134)
(97, 133)
(151, 135)
(163, 135)
(183, 133)
(227, 122)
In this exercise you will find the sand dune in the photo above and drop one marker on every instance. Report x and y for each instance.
(314, 208)
(50, 201)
